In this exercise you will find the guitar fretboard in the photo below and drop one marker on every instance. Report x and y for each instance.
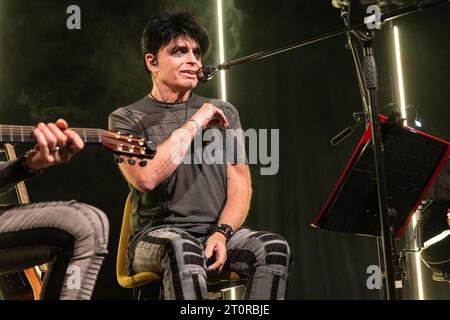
(12, 133)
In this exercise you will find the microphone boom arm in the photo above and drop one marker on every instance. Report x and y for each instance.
(384, 18)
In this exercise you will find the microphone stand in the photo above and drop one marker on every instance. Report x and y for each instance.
(358, 116)
(391, 263)
(392, 270)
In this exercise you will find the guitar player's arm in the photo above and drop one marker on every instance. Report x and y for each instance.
(49, 138)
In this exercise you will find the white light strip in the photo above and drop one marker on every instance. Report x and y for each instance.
(223, 88)
(437, 238)
(417, 260)
(398, 62)
(419, 275)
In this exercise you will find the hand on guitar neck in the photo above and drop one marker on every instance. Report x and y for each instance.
(56, 143)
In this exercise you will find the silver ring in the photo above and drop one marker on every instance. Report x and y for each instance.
(55, 149)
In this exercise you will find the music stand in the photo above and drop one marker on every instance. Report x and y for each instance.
(412, 161)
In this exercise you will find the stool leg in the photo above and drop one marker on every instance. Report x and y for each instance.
(233, 293)
(161, 292)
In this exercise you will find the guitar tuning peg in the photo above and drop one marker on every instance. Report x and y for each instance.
(118, 159)
(143, 163)
(131, 161)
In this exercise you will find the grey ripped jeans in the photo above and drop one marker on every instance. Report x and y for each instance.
(71, 236)
(261, 257)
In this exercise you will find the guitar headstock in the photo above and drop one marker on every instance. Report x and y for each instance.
(128, 145)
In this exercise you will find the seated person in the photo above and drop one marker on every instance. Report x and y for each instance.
(187, 217)
(72, 237)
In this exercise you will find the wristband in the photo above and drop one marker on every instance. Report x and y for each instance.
(198, 127)
(224, 229)
(25, 165)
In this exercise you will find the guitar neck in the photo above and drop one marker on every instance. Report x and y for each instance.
(12, 133)
(119, 143)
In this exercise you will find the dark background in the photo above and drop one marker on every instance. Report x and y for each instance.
(48, 71)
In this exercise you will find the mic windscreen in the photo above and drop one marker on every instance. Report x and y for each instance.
(206, 73)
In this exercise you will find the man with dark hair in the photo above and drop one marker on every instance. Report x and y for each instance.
(72, 237)
(187, 216)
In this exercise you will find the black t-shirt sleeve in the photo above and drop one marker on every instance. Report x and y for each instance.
(123, 121)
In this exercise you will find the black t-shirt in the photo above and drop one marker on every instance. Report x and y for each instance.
(193, 197)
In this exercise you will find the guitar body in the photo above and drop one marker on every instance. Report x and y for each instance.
(15, 286)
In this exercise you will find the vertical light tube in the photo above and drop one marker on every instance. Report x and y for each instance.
(398, 63)
(223, 85)
(401, 91)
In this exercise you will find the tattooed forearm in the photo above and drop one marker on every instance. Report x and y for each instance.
(176, 155)
(163, 166)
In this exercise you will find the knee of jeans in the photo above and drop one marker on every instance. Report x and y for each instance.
(93, 229)
(188, 254)
(276, 253)
(98, 219)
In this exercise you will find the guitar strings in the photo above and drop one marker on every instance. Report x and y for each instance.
(20, 129)
(106, 137)
(86, 133)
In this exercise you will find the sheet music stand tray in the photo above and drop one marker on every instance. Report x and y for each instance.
(412, 161)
